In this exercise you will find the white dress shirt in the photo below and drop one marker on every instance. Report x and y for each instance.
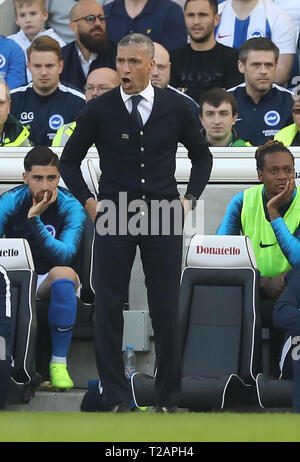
(145, 105)
(85, 64)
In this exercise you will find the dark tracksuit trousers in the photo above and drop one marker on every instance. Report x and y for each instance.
(5, 336)
(287, 316)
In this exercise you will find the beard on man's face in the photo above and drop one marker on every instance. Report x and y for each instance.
(94, 43)
(205, 37)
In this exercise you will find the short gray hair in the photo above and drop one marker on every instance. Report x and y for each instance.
(138, 40)
(5, 84)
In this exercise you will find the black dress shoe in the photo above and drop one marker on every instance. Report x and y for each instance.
(166, 409)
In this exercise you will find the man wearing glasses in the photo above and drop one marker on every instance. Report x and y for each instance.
(91, 49)
(99, 81)
(290, 135)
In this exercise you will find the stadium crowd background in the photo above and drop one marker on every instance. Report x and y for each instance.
(186, 63)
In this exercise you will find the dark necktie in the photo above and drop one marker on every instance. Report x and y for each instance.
(135, 99)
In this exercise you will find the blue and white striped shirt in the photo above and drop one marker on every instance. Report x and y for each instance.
(265, 20)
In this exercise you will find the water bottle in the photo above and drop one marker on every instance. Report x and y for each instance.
(129, 361)
(129, 364)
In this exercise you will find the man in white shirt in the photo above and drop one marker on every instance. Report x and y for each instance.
(244, 19)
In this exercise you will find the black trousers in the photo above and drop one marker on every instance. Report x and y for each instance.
(161, 257)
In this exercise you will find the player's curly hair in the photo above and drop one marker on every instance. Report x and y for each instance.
(269, 147)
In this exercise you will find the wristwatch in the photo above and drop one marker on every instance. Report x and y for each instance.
(192, 199)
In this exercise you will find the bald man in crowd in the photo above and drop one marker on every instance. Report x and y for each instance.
(160, 76)
(98, 82)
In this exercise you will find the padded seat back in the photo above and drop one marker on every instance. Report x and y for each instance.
(218, 298)
(220, 330)
(16, 258)
(218, 322)
(23, 312)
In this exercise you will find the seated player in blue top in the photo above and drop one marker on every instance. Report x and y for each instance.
(52, 221)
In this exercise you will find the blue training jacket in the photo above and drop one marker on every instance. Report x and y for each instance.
(54, 237)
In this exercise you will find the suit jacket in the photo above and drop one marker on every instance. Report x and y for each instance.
(72, 71)
(141, 162)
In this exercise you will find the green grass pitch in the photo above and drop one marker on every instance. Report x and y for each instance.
(149, 427)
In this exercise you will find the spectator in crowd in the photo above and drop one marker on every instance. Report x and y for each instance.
(270, 215)
(6, 326)
(263, 106)
(203, 63)
(58, 17)
(244, 19)
(99, 81)
(286, 316)
(12, 63)
(45, 104)
(290, 135)
(52, 221)
(12, 132)
(180, 2)
(30, 16)
(292, 8)
(160, 20)
(218, 113)
(160, 76)
(132, 127)
(92, 48)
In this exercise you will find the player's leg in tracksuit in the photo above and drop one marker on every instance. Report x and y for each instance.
(5, 336)
(287, 317)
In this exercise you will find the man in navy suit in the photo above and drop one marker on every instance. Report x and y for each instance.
(136, 128)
